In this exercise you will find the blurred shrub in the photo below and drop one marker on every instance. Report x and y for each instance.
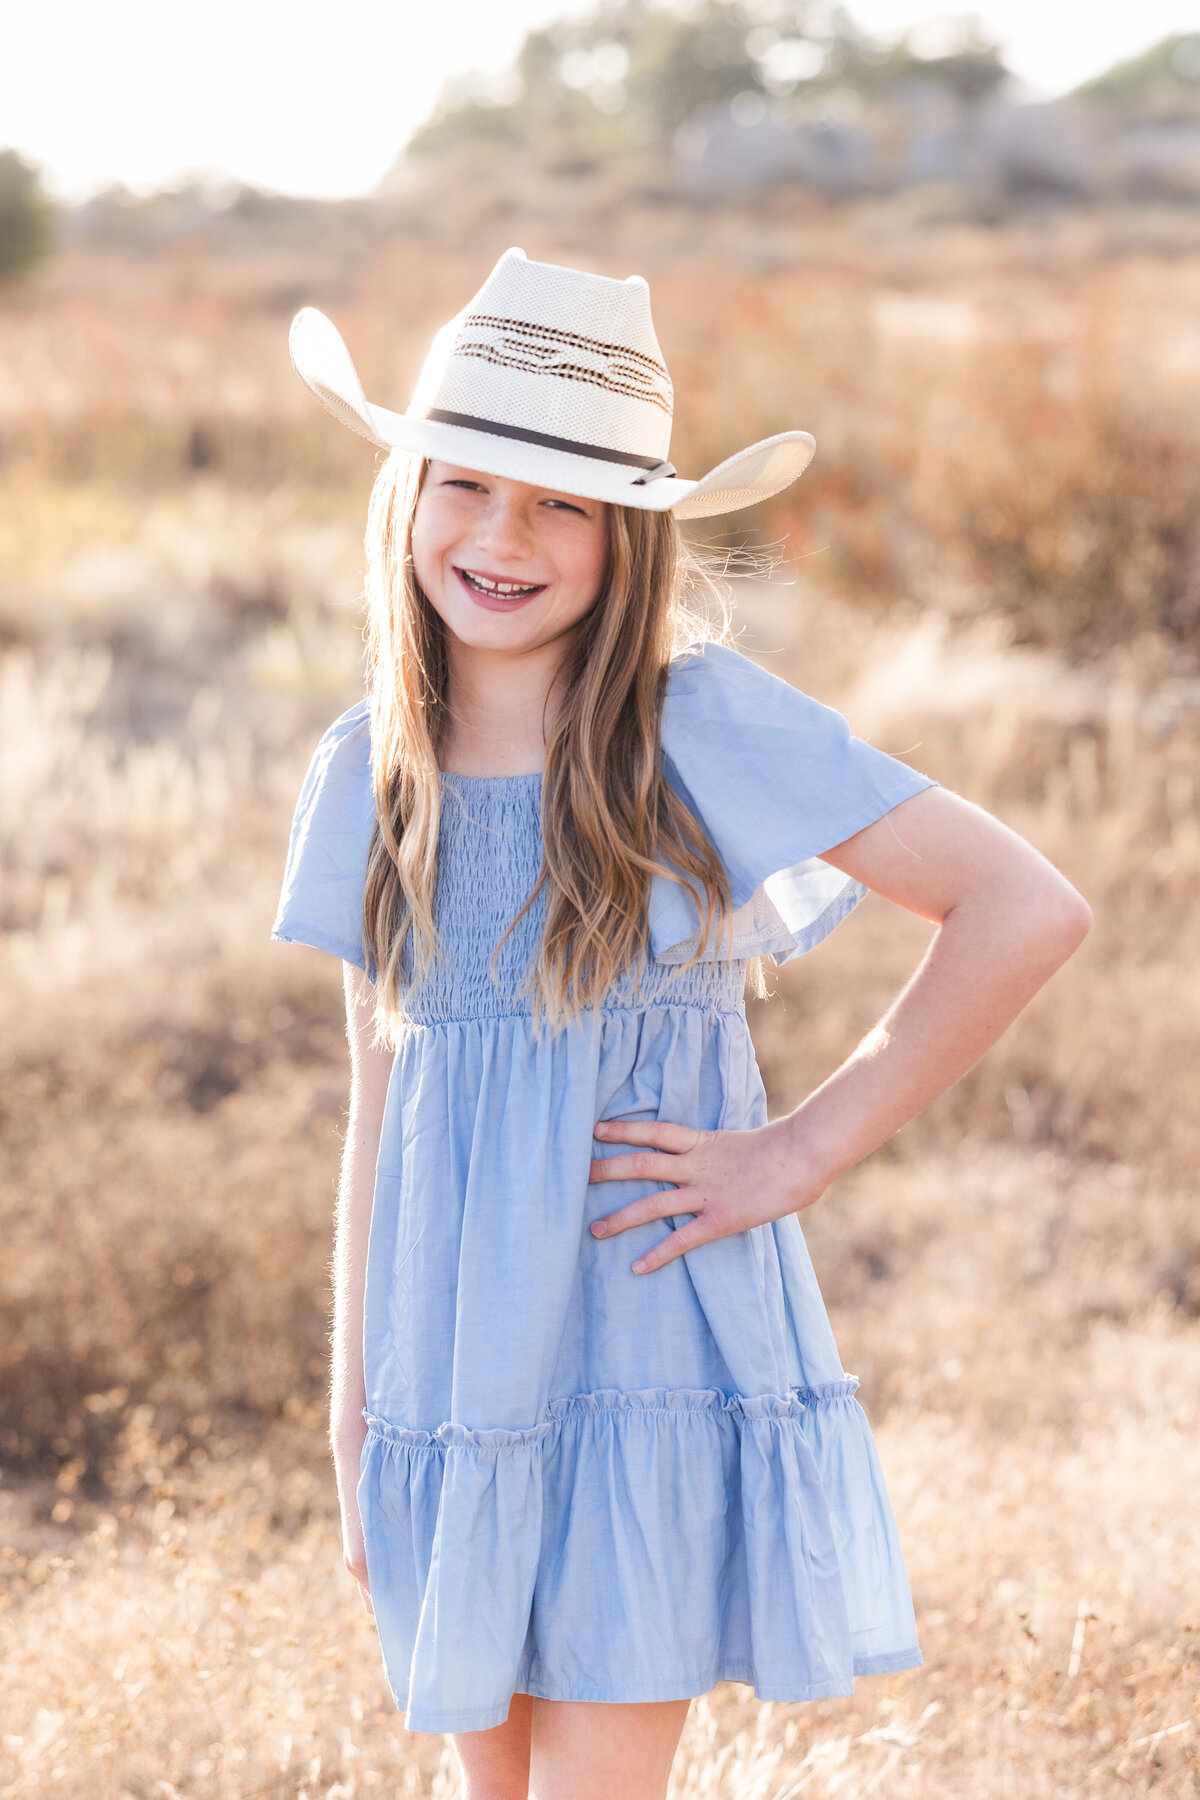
(1083, 525)
(26, 216)
(1042, 469)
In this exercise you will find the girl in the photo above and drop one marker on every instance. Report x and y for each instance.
(595, 1448)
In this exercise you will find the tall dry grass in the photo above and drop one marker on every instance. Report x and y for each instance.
(1016, 1278)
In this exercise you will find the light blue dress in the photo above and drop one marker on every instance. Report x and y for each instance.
(578, 1482)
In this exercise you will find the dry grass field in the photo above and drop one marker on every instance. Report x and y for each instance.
(994, 567)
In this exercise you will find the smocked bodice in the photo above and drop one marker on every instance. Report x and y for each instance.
(489, 855)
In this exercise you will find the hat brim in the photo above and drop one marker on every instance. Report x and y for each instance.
(324, 364)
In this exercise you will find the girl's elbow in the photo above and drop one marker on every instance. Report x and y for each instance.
(1063, 920)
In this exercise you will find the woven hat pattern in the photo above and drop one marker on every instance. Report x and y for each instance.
(510, 357)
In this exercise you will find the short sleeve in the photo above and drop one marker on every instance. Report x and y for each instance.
(776, 779)
(321, 899)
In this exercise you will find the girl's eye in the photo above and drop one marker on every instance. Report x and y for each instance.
(565, 506)
(476, 487)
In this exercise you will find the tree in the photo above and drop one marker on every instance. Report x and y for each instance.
(631, 72)
(26, 216)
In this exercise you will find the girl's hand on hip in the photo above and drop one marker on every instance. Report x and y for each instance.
(730, 1180)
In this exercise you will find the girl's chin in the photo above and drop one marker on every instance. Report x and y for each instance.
(479, 628)
(529, 626)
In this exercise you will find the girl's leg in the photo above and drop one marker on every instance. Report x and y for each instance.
(495, 1763)
(585, 1751)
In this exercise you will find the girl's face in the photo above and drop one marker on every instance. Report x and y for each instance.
(506, 566)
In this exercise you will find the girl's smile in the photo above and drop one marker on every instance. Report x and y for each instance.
(494, 592)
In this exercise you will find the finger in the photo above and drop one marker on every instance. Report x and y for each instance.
(640, 1212)
(658, 1134)
(638, 1165)
(683, 1238)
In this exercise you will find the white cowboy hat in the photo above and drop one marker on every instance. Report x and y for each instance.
(553, 377)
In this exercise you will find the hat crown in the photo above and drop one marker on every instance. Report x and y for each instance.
(564, 353)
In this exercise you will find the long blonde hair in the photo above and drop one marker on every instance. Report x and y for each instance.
(610, 819)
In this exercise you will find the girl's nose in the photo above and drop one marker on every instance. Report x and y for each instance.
(504, 531)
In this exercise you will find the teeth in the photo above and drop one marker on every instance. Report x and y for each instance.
(505, 589)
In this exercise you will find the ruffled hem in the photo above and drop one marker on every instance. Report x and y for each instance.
(645, 1402)
(633, 1546)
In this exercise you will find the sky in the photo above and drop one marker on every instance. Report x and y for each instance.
(318, 96)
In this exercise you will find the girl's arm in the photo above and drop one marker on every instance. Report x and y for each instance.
(1006, 920)
(369, 1072)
